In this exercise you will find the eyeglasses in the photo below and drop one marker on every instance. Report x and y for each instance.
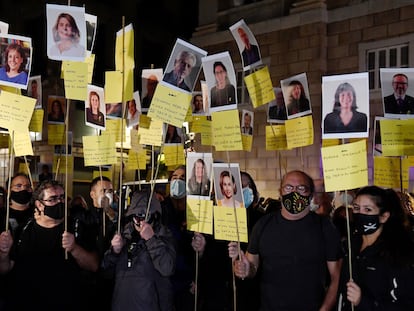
(302, 189)
(54, 199)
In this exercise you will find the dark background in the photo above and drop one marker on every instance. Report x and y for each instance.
(157, 24)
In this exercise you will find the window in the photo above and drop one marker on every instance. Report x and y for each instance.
(392, 53)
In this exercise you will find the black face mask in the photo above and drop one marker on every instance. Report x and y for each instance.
(56, 211)
(21, 197)
(295, 203)
(366, 224)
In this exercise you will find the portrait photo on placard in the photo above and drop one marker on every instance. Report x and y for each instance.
(184, 66)
(247, 121)
(15, 63)
(227, 184)
(276, 112)
(56, 108)
(95, 112)
(377, 144)
(296, 96)
(173, 134)
(133, 110)
(199, 174)
(91, 25)
(34, 90)
(247, 44)
(397, 87)
(221, 80)
(66, 32)
(345, 106)
(149, 79)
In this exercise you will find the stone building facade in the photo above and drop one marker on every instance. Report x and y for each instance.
(319, 38)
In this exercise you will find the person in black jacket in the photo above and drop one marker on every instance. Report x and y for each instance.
(382, 255)
(143, 257)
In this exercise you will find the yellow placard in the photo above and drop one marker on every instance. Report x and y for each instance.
(23, 168)
(299, 132)
(247, 141)
(406, 163)
(260, 87)
(59, 164)
(174, 154)
(226, 130)
(152, 135)
(200, 124)
(137, 160)
(330, 142)
(99, 150)
(11, 89)
(200, 215)
(134, 136)
(345, 166)
(397, 137)
(387, 172)
(144, 121)
(225, 227)
(56, 134)
(103, 173)
(36, 122)
(276, 137)
(90, 61)
(169, 105)
(114, 128)
(15, 111)
(113, 87)
(76, 79)
(22, 144)
(124, 42)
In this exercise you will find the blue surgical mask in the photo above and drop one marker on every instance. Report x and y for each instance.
(248, 196)
(177, 188)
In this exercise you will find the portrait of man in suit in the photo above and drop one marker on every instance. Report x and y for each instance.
(399, 102)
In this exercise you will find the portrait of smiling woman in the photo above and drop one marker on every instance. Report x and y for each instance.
(15, 64)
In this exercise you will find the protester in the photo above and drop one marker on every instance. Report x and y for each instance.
(292, 251)
(143, 258)
(382, 255)
(46, 259)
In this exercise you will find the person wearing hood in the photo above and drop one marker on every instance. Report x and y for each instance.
(291, 251)
(143, 257)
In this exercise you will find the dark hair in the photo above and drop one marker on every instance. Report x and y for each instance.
(19, 49)
(38, 193)
(95, 181)
(216, 64)
(252, 186)
(17, 175)
(396, 239)
(227, 174)
(344, 87)
(72, 22)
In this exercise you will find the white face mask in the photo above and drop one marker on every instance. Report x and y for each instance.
(313, 205)
(177, 188)
(108, 197)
